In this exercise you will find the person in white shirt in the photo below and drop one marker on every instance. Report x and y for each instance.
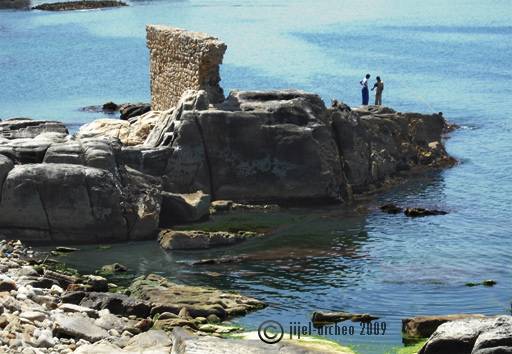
(365, 92)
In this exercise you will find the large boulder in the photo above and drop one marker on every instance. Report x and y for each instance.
(472, 336)
(62, 202)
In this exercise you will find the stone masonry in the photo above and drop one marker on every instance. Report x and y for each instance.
(182, 60)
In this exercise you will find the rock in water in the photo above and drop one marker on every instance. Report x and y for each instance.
(131, 110)
(181, 240)
(419, 212)
(391, 209)
(322, 318)
(200, 302)
(79, 5)
(424, 326)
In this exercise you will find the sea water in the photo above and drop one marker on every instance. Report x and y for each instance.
(433, 56)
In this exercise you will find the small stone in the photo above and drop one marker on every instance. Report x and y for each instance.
(56, 290)
(213, 318)
(62, 249)
(80, 309)
(33, 316)
(184, 313)
(144, 324)
(167, 315)
(6, 283)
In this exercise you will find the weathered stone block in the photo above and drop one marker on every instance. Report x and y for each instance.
(182, 60)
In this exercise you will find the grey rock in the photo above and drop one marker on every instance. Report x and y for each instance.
(62, 202)
(150, 340)
(17, 128)
(78, 327)
(179, 240)
(142, 200)
(118, 304)
(184, 208)
(487, 335)
(6, 165)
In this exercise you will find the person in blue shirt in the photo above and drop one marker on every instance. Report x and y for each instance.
(365, 92)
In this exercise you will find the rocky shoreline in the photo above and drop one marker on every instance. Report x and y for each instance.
(45, 308)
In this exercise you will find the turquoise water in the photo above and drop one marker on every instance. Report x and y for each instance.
(433, 56)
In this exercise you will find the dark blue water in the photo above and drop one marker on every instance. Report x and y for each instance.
(433, 56)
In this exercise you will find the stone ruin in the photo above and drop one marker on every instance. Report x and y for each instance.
(182, 60)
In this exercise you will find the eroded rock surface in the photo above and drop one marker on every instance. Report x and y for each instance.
(198, 302)
(182, 240)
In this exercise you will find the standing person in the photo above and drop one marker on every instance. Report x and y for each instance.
(364, 91)
(379, 85)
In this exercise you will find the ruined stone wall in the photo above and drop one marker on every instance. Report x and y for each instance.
(182, 60)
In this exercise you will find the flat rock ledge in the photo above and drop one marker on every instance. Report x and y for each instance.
(166, 296)
(79, 5)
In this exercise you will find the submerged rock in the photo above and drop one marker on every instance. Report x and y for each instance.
(419, 212)
(322, 318)
(180, 240)
(79, 5)
(391, 209)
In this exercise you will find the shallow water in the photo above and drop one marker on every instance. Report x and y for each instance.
(433, 56)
